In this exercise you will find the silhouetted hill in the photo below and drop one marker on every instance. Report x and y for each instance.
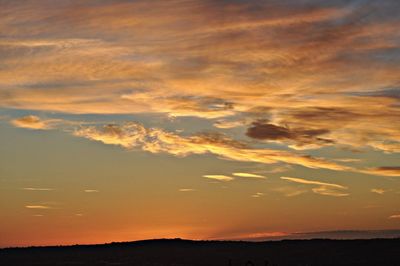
(179, 252)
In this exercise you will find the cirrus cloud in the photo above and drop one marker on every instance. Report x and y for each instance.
(302, 69)
(154, 140)
(219, 177)
(40, 207)
(322, 188)
(250, 175)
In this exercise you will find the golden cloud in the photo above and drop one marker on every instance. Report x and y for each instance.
(302, 67)
(91, 190)
(250, 175)
(34, 122)
(186, 190)
(383, 171)
(154, 140)
(378, 191)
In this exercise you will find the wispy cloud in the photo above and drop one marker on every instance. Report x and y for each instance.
(37, 189)
(91, 190)
(186, 190)
(253, 236)
(340, 234)
(257, 195)
(383, 171)
(229, 124)
(250, 175)
(310, 57)
(348, 160)
(34, 122)
(379, 191)
(279, 169)
(154, 140)
(279, 85)
(219, 177)
(40, 207)
(328, 189)
(311, 182)
(289, 191)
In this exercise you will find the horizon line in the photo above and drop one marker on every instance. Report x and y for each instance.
(297, 236)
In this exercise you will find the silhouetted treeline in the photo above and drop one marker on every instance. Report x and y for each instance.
(213, 253)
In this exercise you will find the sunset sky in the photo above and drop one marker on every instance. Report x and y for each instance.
(203, 119)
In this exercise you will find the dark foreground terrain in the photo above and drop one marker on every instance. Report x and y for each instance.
(222, 253)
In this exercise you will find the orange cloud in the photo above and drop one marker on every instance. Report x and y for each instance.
(301, 80)
(303, 67)
(43, 207)
(131, 135)
(34, 122)
(127, 136)
(383, 171)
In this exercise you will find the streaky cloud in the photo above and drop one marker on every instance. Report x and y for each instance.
(186, 190)
(133, 135)
(302, 69)
(91, 191)
(323, 188)
(40, 207)
(219, 177)
(250, 175)
(37, 189)
(383, 171)
(310, 182)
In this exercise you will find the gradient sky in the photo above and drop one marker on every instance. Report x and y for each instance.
(203, 119)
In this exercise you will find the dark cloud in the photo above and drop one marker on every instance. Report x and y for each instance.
(260, 130)
(265, 131)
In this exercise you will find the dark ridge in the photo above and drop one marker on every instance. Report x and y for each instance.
(179, 252)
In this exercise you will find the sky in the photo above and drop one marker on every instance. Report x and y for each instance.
(203, 119)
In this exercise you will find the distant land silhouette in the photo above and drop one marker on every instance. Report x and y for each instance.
(338, 235)
(179, 252)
